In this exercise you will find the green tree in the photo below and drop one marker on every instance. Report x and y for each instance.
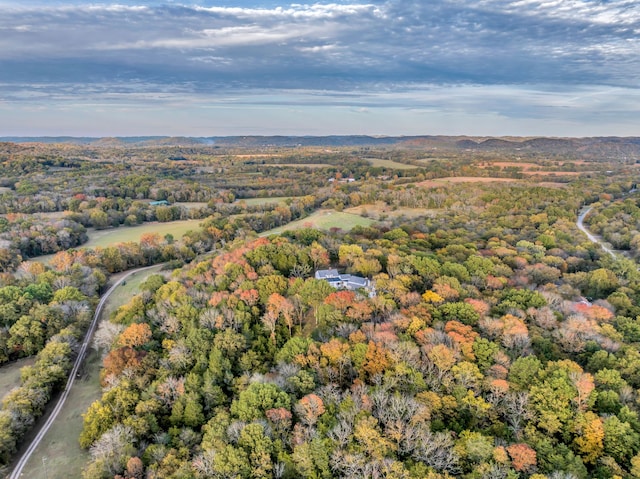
(620, 440)
(27, 336)
(258, 398)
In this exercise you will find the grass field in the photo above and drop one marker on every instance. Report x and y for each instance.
(127, 291)
(62, 455)
(10, 374)
(380, 163)
(264, 201)
(558, 173)
(53, 215)
(123, 234)
(463, 179)
(133, 233)
(300, 165)
(324, 220)
(509, 164)
(192, 204)
(552, 184)
(382, 210)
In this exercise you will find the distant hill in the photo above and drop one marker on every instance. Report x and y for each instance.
(109, 141)
(606, 147)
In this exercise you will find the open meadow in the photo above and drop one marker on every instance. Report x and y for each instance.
(191, 205)
(124, 234)
(263, 201)
(324, 220)
(59, 455)
(439, 182)
(382, 163)
(10, 374)
(299, 165)
(382, 211)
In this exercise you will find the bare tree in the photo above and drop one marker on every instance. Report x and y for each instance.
(113, 448)
(203, 463)
(517, 412)
(341, 433)
(106, 335)
(435, 450)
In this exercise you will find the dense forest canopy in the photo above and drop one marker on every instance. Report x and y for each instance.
(497, 341)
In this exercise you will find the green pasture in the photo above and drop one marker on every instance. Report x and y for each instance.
(191, 205)
(264, 201)
(59, 455)
(380, 211)
(324, 220)
(300, 165)
(380, 163)
(124, 234)
(127, 290)
(10, 374)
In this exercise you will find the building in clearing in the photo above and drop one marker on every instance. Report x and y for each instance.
(345, 281)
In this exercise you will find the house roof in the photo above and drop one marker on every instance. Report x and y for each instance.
(356, 280)
(338, 280)
(327, 274)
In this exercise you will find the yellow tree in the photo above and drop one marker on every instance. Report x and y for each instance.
(137, 334)
(590, 440)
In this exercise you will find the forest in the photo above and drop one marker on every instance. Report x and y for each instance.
(498, 340)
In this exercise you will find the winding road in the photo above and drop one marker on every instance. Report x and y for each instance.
(592, 238)
(17, 471)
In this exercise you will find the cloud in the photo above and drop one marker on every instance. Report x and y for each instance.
(378, 53)
(489, 41)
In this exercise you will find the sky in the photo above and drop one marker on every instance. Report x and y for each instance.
(380, 67)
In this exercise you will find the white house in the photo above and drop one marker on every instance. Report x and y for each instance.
(345, 281)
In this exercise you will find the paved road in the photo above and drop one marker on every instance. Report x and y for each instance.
(17, 472)
(592, 238)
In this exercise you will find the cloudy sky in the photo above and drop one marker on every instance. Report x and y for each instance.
(396, 67)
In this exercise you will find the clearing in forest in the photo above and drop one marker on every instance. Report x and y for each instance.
(381, 163)
(10, 374)
(264, 201)
(510, 164)
(191, 205)
(438, 182)
(558, 173)
(124, 234)
(382, 210)
(324, 220)
(299, 165)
